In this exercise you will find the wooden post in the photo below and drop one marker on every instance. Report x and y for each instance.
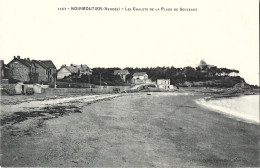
(89, 81)
(100, 80)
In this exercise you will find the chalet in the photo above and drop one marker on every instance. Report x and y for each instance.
(74, 71)
(23, 70)
(122, 74)
(164, 84)
(35, 71)
(140, 77)
(46, 70)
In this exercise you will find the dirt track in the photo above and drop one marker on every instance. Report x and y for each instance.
(130, 131)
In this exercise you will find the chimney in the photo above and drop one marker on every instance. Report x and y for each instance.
(81, 65)
(18, 56)
(14, 57)
(28, 59)
(71, 64)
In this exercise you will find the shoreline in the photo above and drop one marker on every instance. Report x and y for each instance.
(229, 113)
(146, 130)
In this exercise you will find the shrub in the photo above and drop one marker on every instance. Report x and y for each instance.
(28, 82)
(9, 91)
(29, 91)
(13, 81)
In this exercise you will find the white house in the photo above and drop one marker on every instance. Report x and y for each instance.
(140, 77)
(164, 84)
(122, 74)
(75, 71)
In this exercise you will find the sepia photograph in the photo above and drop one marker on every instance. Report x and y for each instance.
(129, 83)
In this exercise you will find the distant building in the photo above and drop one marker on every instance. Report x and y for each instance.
(74, 71)
(164, 84)
(203, 65)
(140, 77)
(242, 85)
(122, 74)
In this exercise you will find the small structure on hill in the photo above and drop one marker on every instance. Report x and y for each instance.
(122, 74)
(204, 65)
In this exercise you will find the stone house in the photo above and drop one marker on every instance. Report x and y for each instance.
(73, 71)
(46, 70)
(122, 74)
(23, 70)
(34, 71)
(140, 77)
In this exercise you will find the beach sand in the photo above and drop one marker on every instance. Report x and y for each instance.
(133, 130)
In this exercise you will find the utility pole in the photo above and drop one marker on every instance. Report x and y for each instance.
(89, 80)
(100, 80)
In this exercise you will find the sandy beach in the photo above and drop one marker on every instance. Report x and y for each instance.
(126, 130)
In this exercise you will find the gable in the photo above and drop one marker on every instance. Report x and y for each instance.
(39, 64)
(64, 70)
(20, 61)
(48, 63)
(140, 74)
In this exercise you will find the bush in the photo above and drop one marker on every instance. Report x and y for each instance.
(29, 91)
(9, 91)
(29, 82)
(13, 81)
(43, 82)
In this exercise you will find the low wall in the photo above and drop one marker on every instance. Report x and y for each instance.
(59, 91)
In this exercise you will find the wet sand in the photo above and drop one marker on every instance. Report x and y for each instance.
(133, 130)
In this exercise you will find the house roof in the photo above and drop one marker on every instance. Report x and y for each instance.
(82, 68)
(72, 69)
(121, 72)
(77, 68)
(40, 63)
(48, 63)
(24, 61)
(139, 74)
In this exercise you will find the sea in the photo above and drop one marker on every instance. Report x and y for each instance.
(243, 107)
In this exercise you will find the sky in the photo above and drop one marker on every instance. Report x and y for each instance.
(224, 33)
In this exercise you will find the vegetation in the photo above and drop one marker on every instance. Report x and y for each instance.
(213, 76)
(178, 76)
(104, 75)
